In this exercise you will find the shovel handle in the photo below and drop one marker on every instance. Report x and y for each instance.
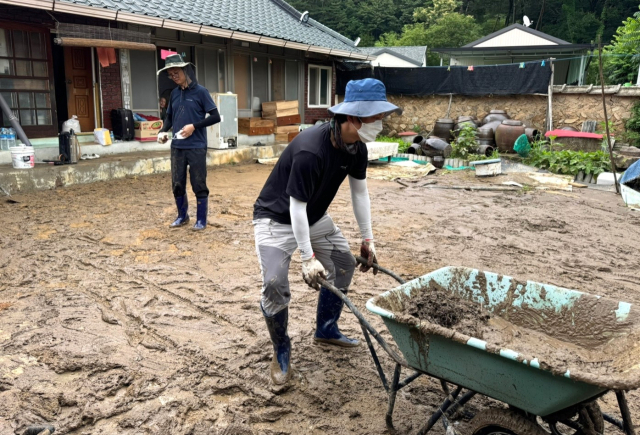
(364, 261)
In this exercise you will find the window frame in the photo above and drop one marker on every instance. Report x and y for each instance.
(42, 130)
(329, 70)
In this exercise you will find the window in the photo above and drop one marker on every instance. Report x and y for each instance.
(25, 78)
(319, 86)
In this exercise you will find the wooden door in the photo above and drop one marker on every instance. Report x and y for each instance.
(77, 67)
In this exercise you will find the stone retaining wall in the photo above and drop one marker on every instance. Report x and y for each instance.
(568, 109)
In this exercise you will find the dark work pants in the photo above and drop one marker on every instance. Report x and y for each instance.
(196, 160)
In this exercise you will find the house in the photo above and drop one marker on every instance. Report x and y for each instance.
(399, 57)
(53, 62)
(518, 43)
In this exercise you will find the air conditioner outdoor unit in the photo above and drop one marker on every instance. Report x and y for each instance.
(224, 134)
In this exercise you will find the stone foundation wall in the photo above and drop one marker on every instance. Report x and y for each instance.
(568, 110)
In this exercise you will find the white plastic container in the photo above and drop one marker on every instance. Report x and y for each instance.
(487, 168)
(606, 179)
(23, 157)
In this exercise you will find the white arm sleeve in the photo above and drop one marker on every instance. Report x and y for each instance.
(300, 227)
(361, 206)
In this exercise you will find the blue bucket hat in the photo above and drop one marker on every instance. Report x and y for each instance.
(363, 98)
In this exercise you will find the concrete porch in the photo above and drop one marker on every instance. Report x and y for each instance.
(114, 166)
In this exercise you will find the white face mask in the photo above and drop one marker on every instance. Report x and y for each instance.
(369, 132)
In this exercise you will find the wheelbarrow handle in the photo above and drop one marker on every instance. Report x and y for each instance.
(376, 266)
(397, 358)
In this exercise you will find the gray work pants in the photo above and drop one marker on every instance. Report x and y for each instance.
(275, 243)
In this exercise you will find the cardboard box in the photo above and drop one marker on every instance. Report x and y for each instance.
(146, 131)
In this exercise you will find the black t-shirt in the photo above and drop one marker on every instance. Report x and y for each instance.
(311, 170)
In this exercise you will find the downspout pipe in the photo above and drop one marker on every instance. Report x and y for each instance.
(14, 121)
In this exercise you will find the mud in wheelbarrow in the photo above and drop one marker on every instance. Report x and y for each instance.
(588, 345)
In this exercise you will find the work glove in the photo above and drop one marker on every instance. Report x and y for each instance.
(368, 252)
(312, 271)
(163, 137)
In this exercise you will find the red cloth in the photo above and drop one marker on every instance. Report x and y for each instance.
(165, 53)
(567, 133)
(148, 117)
(106, 56)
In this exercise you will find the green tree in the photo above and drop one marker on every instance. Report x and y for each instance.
(621, 64)
(430, 14)
(450, 30)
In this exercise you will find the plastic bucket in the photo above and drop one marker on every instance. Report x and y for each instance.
(23, 157)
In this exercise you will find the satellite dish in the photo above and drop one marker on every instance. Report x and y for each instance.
(357, 41)
(526, 21)
(304, 17)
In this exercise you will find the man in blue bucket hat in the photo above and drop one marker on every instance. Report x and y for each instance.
(291, 212)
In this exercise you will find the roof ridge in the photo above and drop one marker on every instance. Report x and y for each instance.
(518, 26)
(332, 32)
(297, 14)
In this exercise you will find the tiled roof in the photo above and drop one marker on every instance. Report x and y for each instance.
(414, 54)
(270, 18)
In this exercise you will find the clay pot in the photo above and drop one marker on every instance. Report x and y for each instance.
(532, 134)
(435, 146)
(485, 150)
(493, 125)
(443, 128)
(465, 123)
(413, 149)
(489, 142)
(495, 115)
(569, 128)
(507, 133)
(438, 162)
(485, 133)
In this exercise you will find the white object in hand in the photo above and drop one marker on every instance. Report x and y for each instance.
(179, 135)
(163, 137)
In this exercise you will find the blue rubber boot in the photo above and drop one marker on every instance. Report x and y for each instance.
(281, 362)
(329, 310)
(203, 208)
(183, 216)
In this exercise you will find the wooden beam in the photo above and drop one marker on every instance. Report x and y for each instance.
(85, 42)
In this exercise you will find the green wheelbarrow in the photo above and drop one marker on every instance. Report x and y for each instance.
(543, 396)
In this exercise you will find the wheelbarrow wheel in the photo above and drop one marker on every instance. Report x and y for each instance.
(503, 422)
(585, 419)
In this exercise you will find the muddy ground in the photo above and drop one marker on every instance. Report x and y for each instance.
(111, 323)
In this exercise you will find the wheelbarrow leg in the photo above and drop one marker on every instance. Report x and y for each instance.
(626, 415)
(446, 406)
(374, 355)
(392, 396)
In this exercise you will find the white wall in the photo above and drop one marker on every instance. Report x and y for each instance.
(515, 38)
(389, 60)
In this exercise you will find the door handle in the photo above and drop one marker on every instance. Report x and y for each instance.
(68, 81)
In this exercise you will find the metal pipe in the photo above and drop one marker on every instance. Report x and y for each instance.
(614, 421)
(376, 266)
(374, 355)
(409, 379)
(626, 415)
(392, 396)
(441, 410)
(14, 121)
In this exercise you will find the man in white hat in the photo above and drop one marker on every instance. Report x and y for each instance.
(290, 213)
(187, 110)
